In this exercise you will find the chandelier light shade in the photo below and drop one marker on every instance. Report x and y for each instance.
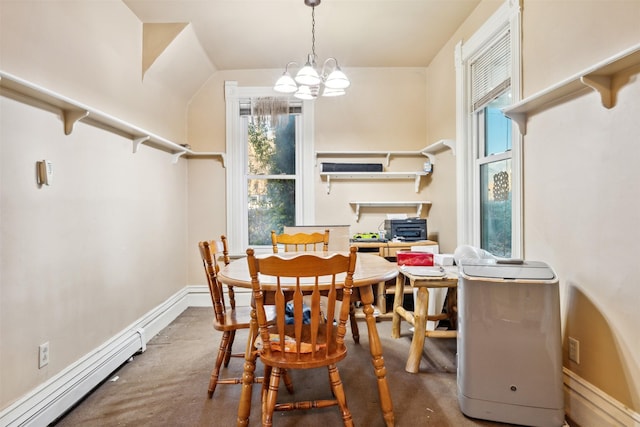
(310, 81)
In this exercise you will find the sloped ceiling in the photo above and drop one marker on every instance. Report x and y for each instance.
(264, 34)
(155, 40)
(173, 55)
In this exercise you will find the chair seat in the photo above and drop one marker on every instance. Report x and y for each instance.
(240, 318)
(305, 360)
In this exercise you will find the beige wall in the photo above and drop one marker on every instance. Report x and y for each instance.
(78, 258)
(581, 195)
(87, 256)
(441, 124)
(91, 52)
(389, 117)
(580, 207)
(103, 245)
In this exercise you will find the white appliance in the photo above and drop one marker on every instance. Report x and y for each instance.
(509, 342)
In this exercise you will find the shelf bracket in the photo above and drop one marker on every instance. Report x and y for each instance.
(418, 210)
(328, 184)
(520, 119)
(388, 157)
(431, 157)
(138, 141)
(70, 117)
(357, 212)
(177, 156)
(418, 183)
(451, 143)
(603, 85)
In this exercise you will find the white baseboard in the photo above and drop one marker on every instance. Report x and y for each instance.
(588, 406)
(199, 296)
(585, 404)
(53, 398)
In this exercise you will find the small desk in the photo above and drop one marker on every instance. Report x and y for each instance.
(418, 318)
(387, 249)
(370, 269)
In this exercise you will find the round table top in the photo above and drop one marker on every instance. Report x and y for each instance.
(370, 269)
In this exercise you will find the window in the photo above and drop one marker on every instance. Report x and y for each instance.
(489, 166)
(271, 178)
(269, 167)
(494, 169)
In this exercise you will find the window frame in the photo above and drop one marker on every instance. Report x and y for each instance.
(236, 165)
(468, 161)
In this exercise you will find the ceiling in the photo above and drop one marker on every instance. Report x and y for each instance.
(266, 34)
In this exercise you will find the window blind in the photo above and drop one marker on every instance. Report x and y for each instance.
(295, 107)
(491, 72)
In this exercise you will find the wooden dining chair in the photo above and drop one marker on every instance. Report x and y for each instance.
(304, 242)
(227, 318)
(301, 345)
(300, 241)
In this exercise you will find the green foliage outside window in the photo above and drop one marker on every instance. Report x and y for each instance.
(271, 200)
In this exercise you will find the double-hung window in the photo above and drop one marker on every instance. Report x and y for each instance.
(489, 166)
(269, 180)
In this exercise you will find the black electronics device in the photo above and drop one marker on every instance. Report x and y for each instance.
(408, 230)
(352, 167)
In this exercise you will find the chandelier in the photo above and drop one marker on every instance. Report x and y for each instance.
(309, 82)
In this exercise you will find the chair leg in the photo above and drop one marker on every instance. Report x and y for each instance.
(287, 381)
(269, 403)
(215, 373)
(265, 385)
(338, 392)
(228, 355)
(354, 324)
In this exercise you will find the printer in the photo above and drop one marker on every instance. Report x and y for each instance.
(408, 230)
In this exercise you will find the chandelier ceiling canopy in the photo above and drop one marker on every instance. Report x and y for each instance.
(311, 81)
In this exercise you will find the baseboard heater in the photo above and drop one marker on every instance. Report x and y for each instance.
(76, 381)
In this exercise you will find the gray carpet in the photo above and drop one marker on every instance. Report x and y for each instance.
(167, 384)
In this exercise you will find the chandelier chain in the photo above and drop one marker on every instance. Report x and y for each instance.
(313, 32)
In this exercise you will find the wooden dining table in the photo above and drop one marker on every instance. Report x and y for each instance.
(370, 270)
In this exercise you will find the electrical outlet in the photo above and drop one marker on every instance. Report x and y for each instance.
(574, 350)
(43, 355)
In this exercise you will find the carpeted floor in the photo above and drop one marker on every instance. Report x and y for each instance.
(167, 384)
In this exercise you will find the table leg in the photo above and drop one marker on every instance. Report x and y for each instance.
(397, 302)
(419, 327)
(244, 407)
(366, 295)
(381, 298)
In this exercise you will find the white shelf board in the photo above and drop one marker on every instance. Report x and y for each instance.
(440, 146)
(374, 175)
(605, 78)
(72, 111)
(417, 204)
(428, 151)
